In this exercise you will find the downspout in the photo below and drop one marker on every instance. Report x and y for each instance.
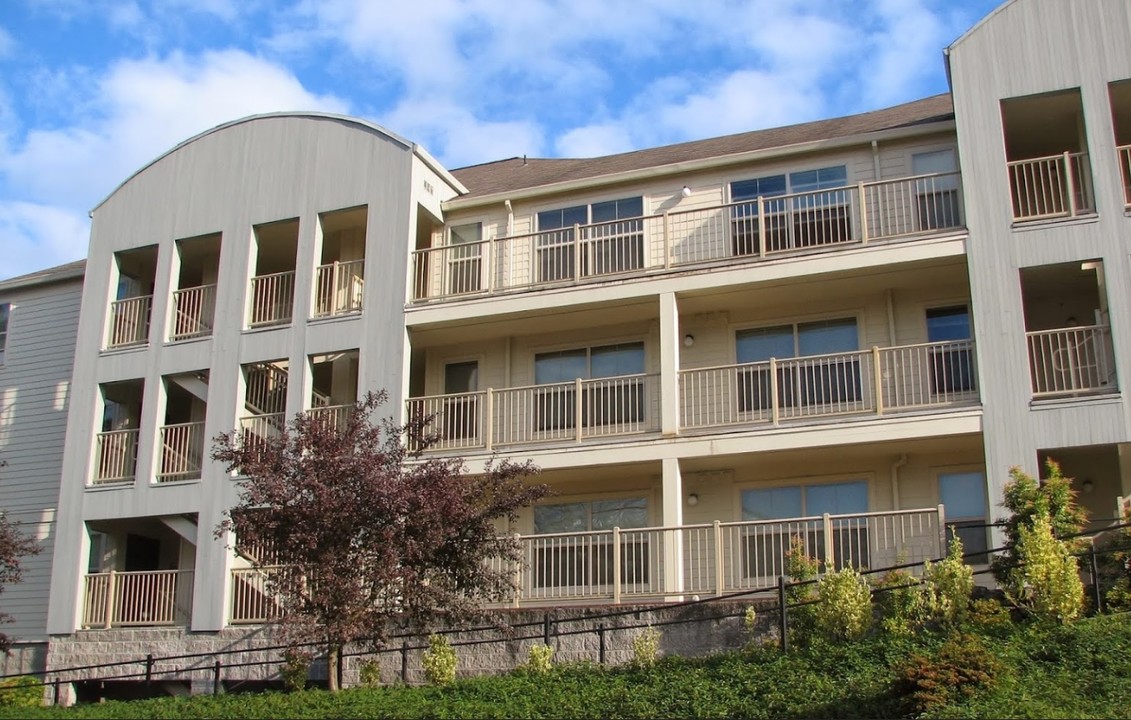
(890, 297)
(895, 466)
(510, 218)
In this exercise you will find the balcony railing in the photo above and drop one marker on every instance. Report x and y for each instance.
(738, 232)
(252, 601)
(182, 452)
(1072, 361)
(193, 312)
(272, 299)
(123, 599)
(117, 457)
(1125, 168)
(129, 322)
(571, 411)
(339, 288)
(629, 564)
(334, 415)
(866, 382)
(1051, 187)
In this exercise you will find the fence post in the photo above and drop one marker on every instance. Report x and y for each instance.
(862, 197)
(149, 669)
(404, 661)
(55, 692)
(878, 380)
(720, 570)
(109, 600)
(489, 424)
(667, 241)
(546, 628)
(761, 227)
(1095, 570)
(774, 390)
(616, 566)
(1071, 183)
(942, 532)
(578, 406)
(601, 643)
(216, 678)
(576, 252)
(830, 560)
(783, 615)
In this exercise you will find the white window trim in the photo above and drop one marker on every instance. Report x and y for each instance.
(858, 314)
(868, 478)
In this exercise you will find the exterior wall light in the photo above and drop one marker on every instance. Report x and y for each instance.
(693, 499)
(688, 340)
(686, 191)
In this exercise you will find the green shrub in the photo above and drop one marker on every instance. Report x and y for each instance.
(369, 673)
(948, 586)
(21, 692)
(1046, 582)
(900, 602)
(845, 608)
(540, 659)
(646, 648)
(1115, 566)
(1026, 499)
(801, 569)
(962, 667)
(990, 617)
(296, 666)
(439, 661)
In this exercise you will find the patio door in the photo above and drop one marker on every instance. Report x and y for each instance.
(461, 413)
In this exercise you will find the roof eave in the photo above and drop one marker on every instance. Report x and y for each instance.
(699, 164)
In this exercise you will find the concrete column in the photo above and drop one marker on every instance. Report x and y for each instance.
(672, 517)
(669, 365)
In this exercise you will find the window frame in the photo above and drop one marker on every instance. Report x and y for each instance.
(563, 409)
(626, 245)
(5, 331)
(966, 521)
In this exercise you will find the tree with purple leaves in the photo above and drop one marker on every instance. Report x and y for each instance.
(14, 546)
(358, 532)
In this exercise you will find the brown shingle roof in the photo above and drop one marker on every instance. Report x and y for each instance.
(515, 174)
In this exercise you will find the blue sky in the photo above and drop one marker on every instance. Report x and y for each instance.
(90, 90)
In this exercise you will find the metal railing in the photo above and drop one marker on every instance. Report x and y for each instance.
(272, 299)
(256, 428)
(871, 382)
(1125, 170)
(265, 389)
(1070, 361)
(334, 415)
(252, 601)
(116, 457)
(129, 321)
(1051, 187)
(622, 565)
(122, 599)
(182, 452)
(571, 411)
(194, 310)
(737, 232)
(339, 288)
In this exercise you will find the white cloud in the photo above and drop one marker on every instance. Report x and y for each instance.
(7, 43)
(459, 138)
(38, 236)
(594, 140)
(136, 111)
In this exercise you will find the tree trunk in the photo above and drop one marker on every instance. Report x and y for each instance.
(333, 667)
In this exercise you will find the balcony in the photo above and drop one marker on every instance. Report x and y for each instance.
(1073, 361)
(182, 452)
(632, 565)
(1056, 186)
(339, 288)
(116, 457)
(129, 599)
(129, 322)
(333, 415)
(793, 391)
(193, 312)
(272, 299)
(732, 233)
(1125, 168)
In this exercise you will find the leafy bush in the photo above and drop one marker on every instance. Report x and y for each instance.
(439, 661)
(646, 648)
(21, 692)
(541, 658)
(961, 667)
(296, 666)
(1046, 582)
(845, 608)
(1116, 567)
(801, 569)
(1026, 499)
(369, 673)
(989, 616)
(900, 602)
(949, 584)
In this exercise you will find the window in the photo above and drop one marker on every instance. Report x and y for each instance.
(612, 239)
(937, 196)
(805, 219)
(832, 379)
(766, 545)
(465, 258)
(5, 310)
(461, 414)
(616, 402)
(587, 560)
(952, 366)
(963, 495)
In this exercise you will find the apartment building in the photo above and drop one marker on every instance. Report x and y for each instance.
(844, 331)
(39, 316)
